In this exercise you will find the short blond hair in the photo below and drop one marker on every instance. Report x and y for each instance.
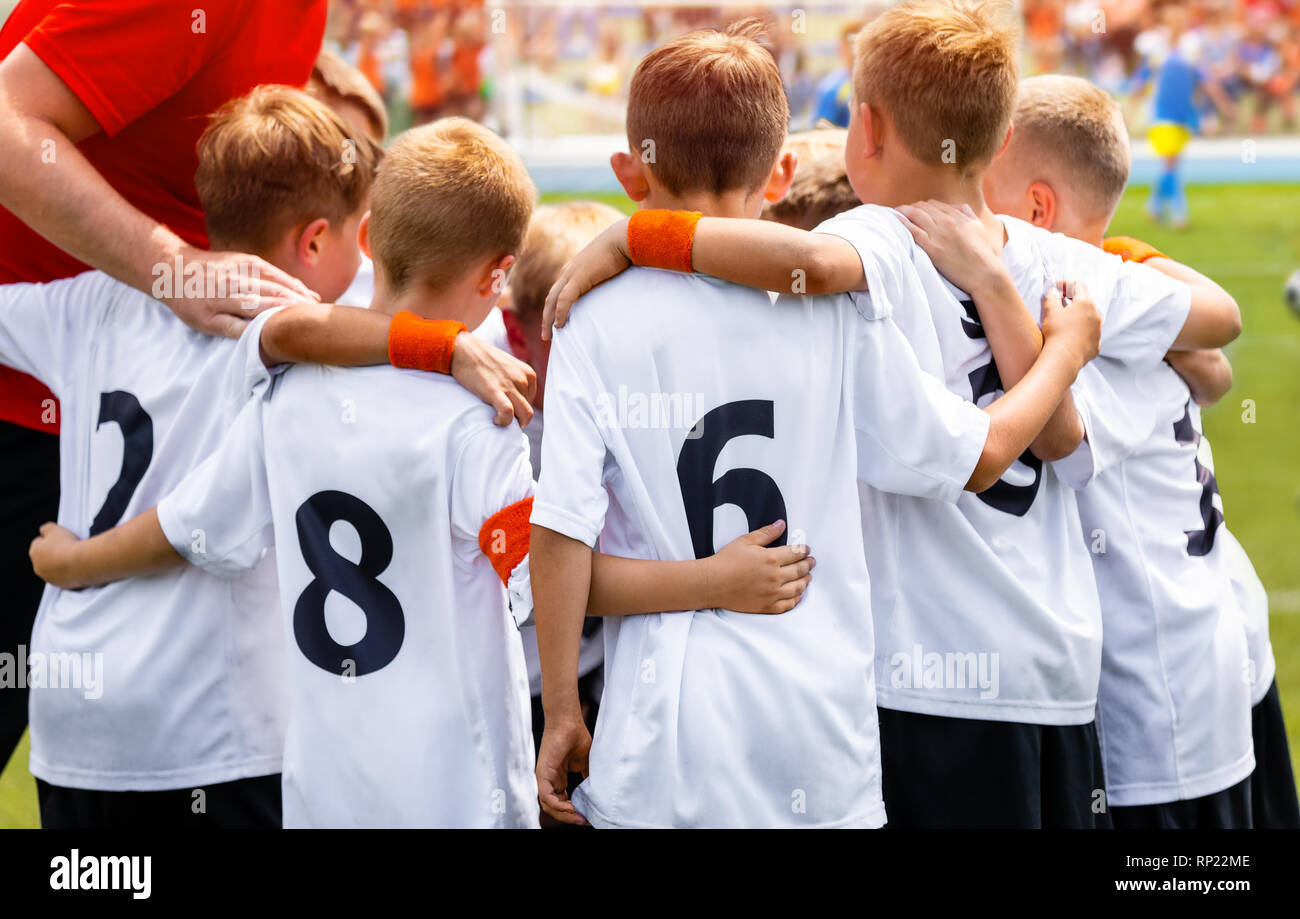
(1072, 133)
(708, 111)
(448, 193)
(275, 159)
(945, 72)
(556, 234)
(342, 81)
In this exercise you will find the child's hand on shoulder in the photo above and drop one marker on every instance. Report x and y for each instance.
(748, 577)
(603, 258)
(1075, 327)
(53, 556)
(955, 240)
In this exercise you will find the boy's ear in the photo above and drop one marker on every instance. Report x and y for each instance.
(778, 183)
(363, 235)
(1006, 141)
(1042, 205)
(311, 241)
(631, 174)
(494, 278)
(873, 127)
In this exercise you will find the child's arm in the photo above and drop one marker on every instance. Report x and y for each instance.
(134, 548)
(756, 253)
(1214, 319)
(560, 591)
(1208, 374)
(344, 336)
(956, 242)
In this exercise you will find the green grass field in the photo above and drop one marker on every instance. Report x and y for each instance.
(1245, 238)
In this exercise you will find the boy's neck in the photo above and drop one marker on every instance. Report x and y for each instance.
(946, 184)
(417, 299)
(737, 203)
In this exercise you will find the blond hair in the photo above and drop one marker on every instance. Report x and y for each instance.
(343, 82)
(945, 72)
(448, 193)
(1073, 135)
(708, 112)
(275, 159)
(556, 234)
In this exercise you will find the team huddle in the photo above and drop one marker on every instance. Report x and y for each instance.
(872, 488)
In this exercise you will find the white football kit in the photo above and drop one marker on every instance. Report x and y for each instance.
(408, 698)
(1173, 713)
(683, 411)
(153, 683)
(988, 609)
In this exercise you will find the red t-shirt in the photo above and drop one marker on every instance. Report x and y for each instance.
(150, 71)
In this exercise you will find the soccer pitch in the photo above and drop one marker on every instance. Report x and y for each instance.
(1244, 237)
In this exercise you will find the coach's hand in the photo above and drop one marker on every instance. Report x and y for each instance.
(747, 577)
(565, 745)
(52, 554)
(501, 380)
(219, 292)
(603, 258)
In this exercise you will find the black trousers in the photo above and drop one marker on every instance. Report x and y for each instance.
(961, 772)
(29, 496)
(252, 803)
(1229, 809)
(1272, 785)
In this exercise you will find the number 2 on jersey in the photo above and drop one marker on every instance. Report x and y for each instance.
(752, 491)
(125, 410)
(358, 581)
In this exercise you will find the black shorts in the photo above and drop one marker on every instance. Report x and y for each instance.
(1224, 810)
(1272, 785)
(29, 469)
(960, 772)
(252, 804)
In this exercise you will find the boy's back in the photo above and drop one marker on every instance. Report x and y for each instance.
(402, 648)
(144, 399)
(682, 412)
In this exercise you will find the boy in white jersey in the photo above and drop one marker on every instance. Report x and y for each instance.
(988, 629)
(177, 684)
(1178, 675)
(394, 490)
(679, 407)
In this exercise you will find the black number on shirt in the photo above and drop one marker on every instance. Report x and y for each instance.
(752, 491)
(1200, 542)
(385, 624)
(986, 381)
(124, 409)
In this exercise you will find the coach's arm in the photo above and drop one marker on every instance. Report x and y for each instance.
(48, 184)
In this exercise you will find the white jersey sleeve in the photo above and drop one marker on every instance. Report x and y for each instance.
(42, 325)
(571, 495)
(914, 436)
(219, 517)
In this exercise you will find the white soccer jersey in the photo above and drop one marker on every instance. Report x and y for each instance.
(988, 609)
(1173, 712)
(683, 411)
(162, 682)
(1252, 600)
(408, 698)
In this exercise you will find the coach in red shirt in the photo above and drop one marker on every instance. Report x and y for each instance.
(101, 106)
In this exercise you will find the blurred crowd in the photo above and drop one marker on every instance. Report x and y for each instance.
(430, 58)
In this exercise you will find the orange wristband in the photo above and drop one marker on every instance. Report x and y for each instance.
(1130, 249)
(422, 344)
(662, 239)
(504, 537)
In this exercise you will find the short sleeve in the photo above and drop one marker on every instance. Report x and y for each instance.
(490, 473)
(1119, 410)
(571, 496)
(219, 517)
(122, 58)
(915, 437)
(43, 326)
(884, 246)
